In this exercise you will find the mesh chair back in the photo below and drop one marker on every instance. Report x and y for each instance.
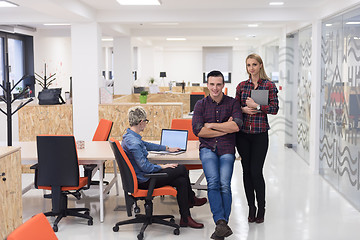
(127, 172)
(58, 161)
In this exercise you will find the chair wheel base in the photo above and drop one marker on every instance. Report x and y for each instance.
(176, 231)
(140, 236)
(116, 228)
(55, 228)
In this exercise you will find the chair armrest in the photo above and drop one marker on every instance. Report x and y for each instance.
(153, 177)
(35, 166)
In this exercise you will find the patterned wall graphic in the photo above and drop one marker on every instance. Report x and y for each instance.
(286, 57)
(303, 94)
(339, 126)
(271, 62)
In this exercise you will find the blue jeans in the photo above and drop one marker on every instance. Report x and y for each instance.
(218, 172)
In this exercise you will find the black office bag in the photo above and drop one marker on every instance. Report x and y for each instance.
(50, 96)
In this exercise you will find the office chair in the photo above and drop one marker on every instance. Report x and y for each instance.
(36, 228)
(198, 93)
(186, 124)
(102, 133)
(133, 194)
(58, 170)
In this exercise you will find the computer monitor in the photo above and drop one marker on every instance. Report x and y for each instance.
(193, 100)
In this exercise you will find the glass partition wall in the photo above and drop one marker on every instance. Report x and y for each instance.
(340, 104)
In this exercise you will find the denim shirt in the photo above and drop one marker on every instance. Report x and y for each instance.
(137, 151)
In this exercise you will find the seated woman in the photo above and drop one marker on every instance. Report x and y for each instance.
(137, 151)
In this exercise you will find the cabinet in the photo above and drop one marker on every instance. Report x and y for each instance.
(10, 190)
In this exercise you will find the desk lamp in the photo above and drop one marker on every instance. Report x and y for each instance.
(163, 75)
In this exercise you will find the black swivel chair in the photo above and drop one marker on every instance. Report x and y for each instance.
(58, 170)
(133, 194)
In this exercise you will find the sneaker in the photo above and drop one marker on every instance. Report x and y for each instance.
(213, 236)
(222, 229)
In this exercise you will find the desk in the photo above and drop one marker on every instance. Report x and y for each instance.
(95, 152)
(191, 156)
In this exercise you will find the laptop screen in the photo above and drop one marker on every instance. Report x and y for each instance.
(174, 138)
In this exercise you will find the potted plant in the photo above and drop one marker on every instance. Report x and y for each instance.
(143, 96)
(152, 80)
(153, 88)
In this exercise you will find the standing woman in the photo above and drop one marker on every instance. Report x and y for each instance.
(252, 140)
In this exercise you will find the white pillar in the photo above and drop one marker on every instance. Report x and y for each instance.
(315, 96)
(86, 55)
(122, 71)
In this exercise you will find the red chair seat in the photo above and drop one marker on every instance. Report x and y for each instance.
(36, 228)
(166, 190)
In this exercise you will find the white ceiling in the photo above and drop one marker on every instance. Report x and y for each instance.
(209, 21)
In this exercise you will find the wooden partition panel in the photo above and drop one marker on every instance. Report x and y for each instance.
(159, 114)
(10, 190)
(45, 119)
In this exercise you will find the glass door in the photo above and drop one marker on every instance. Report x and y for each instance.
(16, 62)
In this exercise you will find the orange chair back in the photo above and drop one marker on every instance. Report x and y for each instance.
(103, 130)
(36, 228)
(128, 175)
(226, 91)
(184, 124)
(127, 172)
(198, 93)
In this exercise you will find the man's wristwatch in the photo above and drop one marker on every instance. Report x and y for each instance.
(258, 107)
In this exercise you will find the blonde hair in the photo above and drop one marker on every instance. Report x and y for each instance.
(262, 69)
(136, 115)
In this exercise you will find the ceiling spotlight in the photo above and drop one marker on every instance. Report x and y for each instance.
(7, 4)
(139, 2)
(253, 25)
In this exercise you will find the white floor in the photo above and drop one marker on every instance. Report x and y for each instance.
(300, 205)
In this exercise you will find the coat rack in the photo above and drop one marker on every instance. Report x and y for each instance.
(8, 99)
(45, 82)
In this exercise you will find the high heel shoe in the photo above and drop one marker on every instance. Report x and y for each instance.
(252, 214)
(260, 217)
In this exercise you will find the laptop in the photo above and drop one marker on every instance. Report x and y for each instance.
(260, 96)
(173, 138)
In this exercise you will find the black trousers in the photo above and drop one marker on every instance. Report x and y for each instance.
(252, 149)
(179, 178)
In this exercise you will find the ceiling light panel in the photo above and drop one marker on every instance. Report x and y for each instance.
(276, 3)
(139, 2)
(176, 39)
(7, 4)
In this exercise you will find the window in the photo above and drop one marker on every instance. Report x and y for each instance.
(16, 60)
